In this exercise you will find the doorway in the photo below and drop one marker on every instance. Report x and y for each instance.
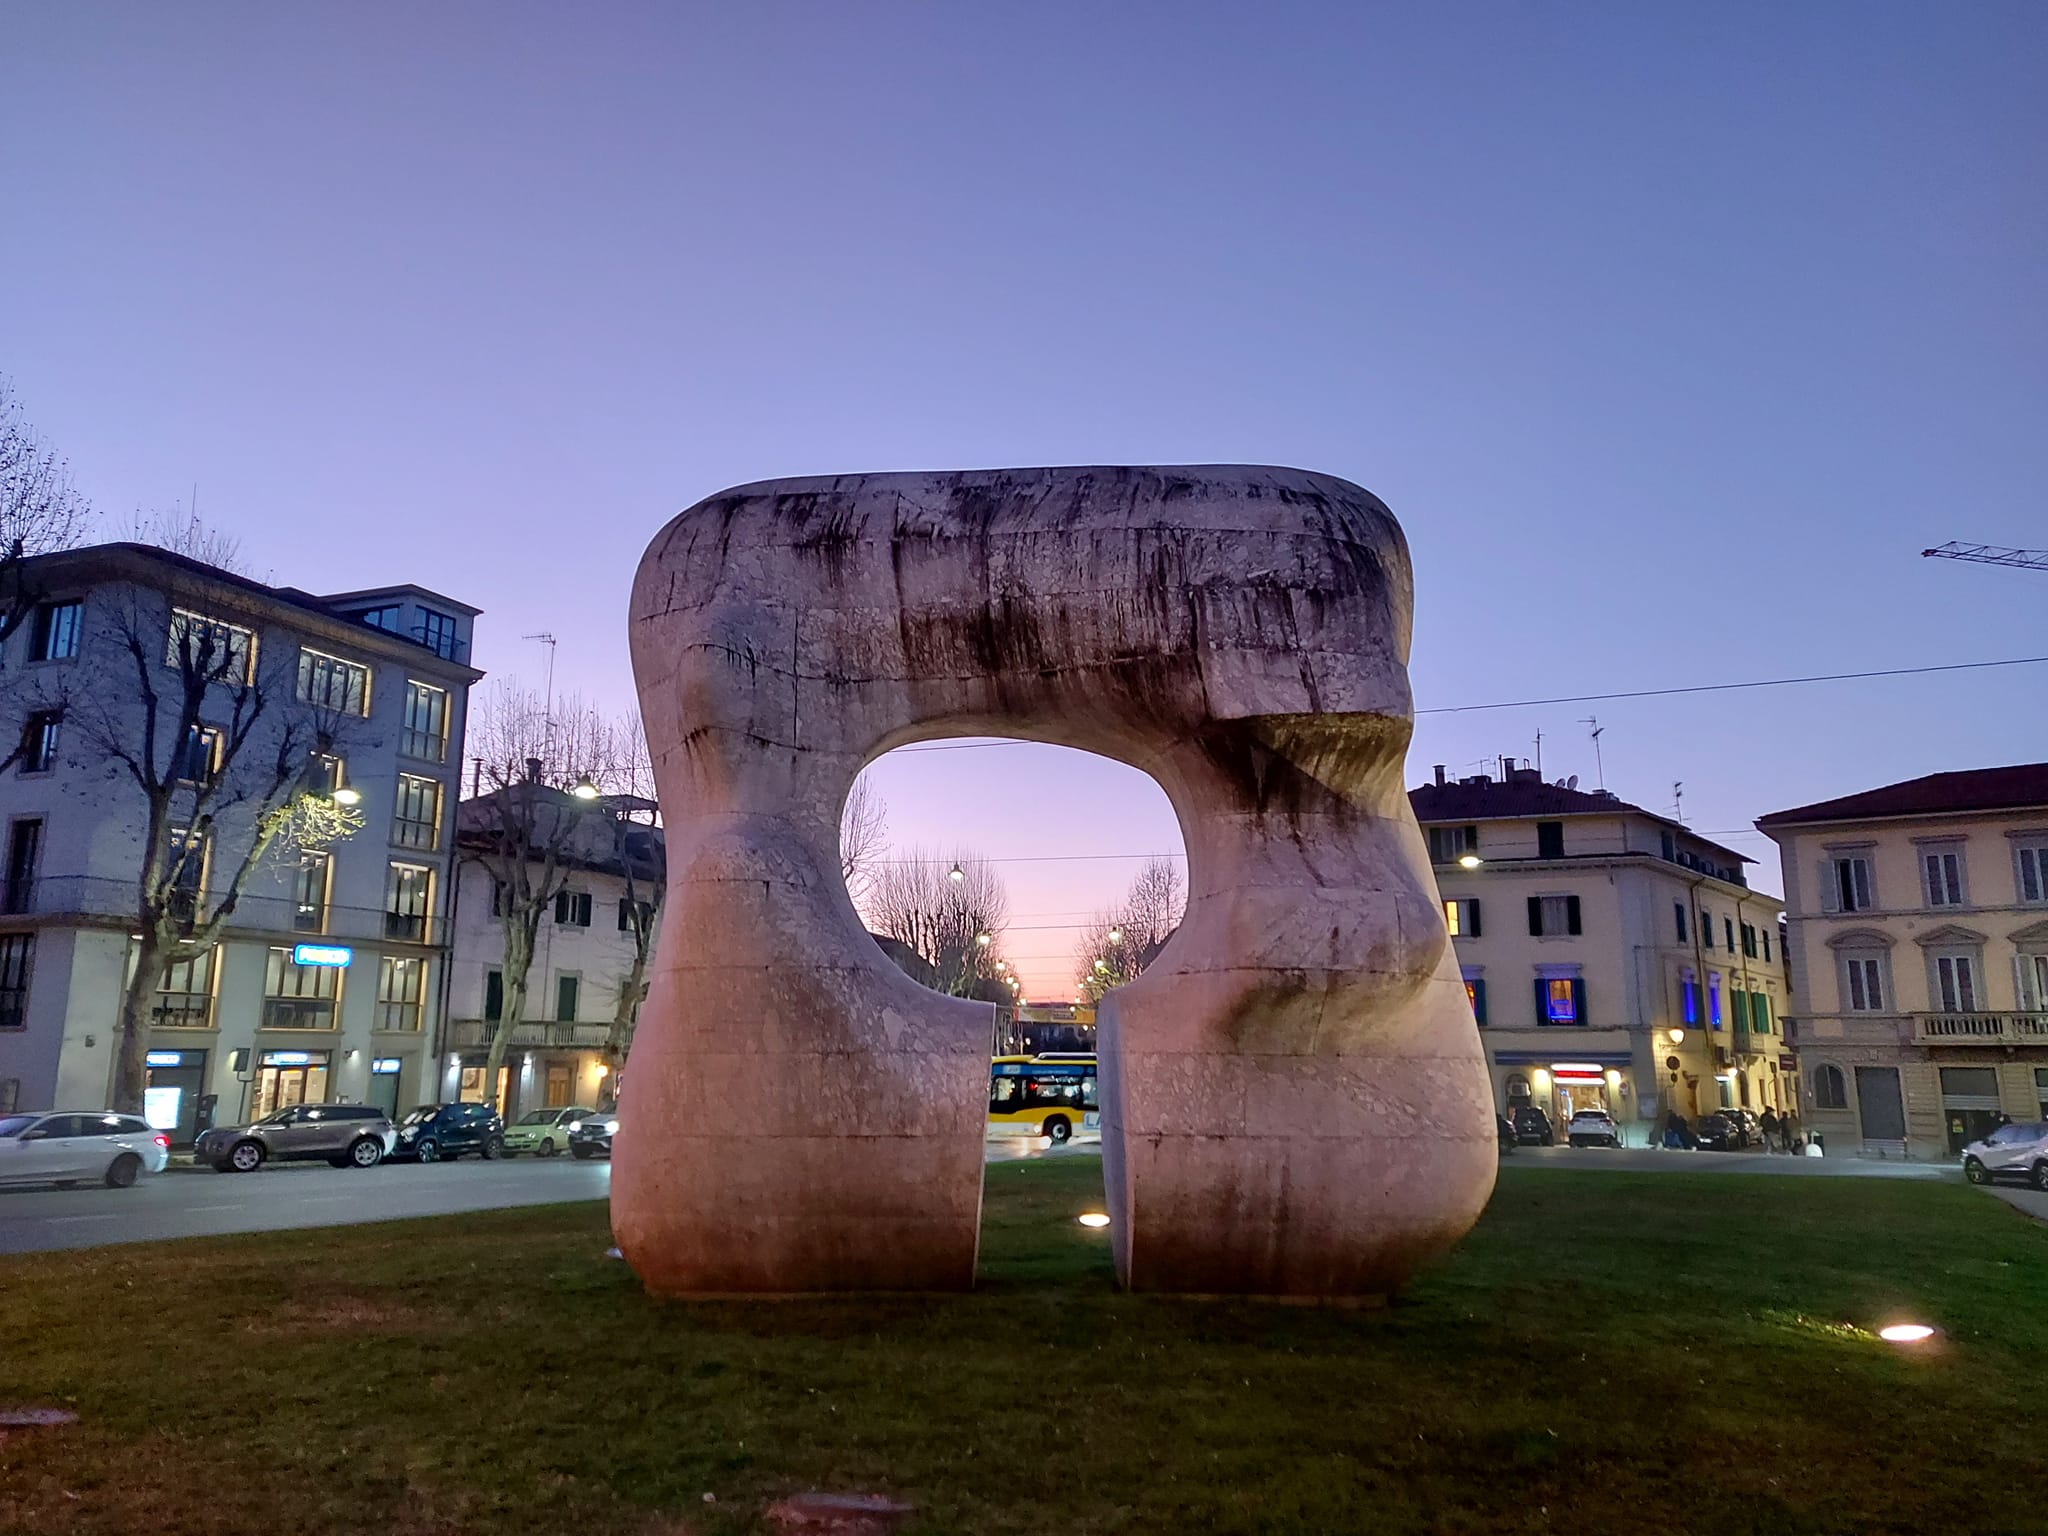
(285, 1078)
(170, 1095)
(1969, 1104)
(384, 1084)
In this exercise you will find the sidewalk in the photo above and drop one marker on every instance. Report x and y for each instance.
(2033, 1202)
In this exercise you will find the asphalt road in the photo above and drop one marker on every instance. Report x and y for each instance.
(1658, 1160)
(205, 1204)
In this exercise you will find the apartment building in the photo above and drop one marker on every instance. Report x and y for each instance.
(1919, 921)
(1615, 960)
(326, 982)
(583, 955)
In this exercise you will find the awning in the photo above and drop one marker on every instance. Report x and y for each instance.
(1546, 1058)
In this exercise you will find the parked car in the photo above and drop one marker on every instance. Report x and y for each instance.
(438, 1133)
(2010, 1152)
(545, 1131)
(63, 1147)
(593, 1134)
(1532, 1127)
(1592, 1128)
(346, 1135)
(1729, 1130)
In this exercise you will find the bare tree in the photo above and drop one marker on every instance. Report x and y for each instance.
(40, 509)
(863, 833)
(950, 912)
(531, 826)
(1120, 941)
(640, 856)
(180, 531)
(232, 769)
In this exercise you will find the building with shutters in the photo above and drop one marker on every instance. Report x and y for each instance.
(1919, 926)
(1614, 959)
(326, 983)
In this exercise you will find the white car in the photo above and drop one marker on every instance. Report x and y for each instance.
(2010, 1152)
(63, 1148)
(1592, 1127)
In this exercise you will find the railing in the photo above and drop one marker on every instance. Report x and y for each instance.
(1980, 1029)
(298, 1013)
(475, 1034)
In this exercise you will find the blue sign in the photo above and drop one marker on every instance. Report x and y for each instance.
(322, 954)
(165, 1058)
(384, 1066)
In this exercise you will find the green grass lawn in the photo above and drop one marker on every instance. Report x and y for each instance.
(1608, 1352)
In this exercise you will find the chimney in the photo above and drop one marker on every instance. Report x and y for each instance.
(533, 770)
(1439, 775)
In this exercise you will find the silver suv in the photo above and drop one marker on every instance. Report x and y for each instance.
(346, 1135)
(2010, 1152)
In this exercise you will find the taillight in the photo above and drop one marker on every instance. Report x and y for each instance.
(162, 1140)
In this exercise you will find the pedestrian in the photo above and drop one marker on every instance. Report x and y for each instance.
(1769, 1121)
(1788, 1131)
(1677, 1134)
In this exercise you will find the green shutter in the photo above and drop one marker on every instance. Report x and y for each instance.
(1760, 1012)
(1740, 1002)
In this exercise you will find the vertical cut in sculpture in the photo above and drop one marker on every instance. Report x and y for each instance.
(1294, 1097)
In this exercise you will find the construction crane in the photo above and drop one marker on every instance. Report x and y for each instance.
(1990, 554)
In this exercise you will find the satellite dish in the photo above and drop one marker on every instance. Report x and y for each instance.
(1572, 782)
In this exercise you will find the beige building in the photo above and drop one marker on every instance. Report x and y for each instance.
(1614, 959)
(1919, 925)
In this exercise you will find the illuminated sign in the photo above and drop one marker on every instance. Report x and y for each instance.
(286, 1058)
(165, 1058)
(322, 954)
(384, 1066)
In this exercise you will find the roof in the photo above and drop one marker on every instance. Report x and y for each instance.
(1525, 795)
(2023, 786)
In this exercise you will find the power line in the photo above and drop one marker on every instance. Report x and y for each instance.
(1602, 698)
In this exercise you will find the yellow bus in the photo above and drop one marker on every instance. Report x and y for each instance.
(1052, 1095)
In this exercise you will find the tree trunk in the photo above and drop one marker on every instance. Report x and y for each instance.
(131, 1064)
(518, 962)
(632, 993)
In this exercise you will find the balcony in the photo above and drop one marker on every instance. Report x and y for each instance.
(1980, 1029)
(532, 1034)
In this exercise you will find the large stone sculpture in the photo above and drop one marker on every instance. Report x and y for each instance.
(1294, 1099)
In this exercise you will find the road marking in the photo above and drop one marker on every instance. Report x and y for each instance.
(229, 1206)
(59, 1221)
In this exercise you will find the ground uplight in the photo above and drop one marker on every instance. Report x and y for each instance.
(1094, 1219)
(1905, 1333)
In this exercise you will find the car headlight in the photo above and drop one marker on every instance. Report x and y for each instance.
(575, 1125)
(610, 1127)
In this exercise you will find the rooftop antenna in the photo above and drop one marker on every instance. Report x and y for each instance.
(1599, 766)
(1539, 754)
(547, 708)
(1678, 801)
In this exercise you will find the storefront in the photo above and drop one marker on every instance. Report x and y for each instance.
(1562, 1088)
(285, 1078)
(384, 1074)
(174, 1098)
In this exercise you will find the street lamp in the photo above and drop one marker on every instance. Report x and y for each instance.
(982, 939)
(344, 795)
(956, 874)
(1675, 1036)
(1469, 861)
(1116, 935)
(584, 789)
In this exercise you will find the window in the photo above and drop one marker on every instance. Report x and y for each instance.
(401, 982)
(2032, 972)
(390, 619)
(1941, 874)
(408, 902)
(634, 915)
(425, 727)
(309, 893)
(24, 855)
(417, 821)
(185, 861)
(1553, 916)
(1449, 844)
(1689, 998)
(566, 990)
(17, 956)
(1863, 985)
(1706, 929)
(1713, 999)
(2040, 1090)
(1678, 921)
(1461, 917)
(1475, 994)
(210, 648)
(1955, 983)
(198, 756)
(1728, 934)
(184, 998)
(2032, 858)
(1560, 1000)
(1749, 940)
(1845, 884)
(1759, 1013)
(1829, 1090)
(299, 996)
(328, 682)
(39, 740)
(1549, 839)
(437, 633)
(325, 773)
(56, 632)
(572, 909)
(494, 996)
(1767, 943)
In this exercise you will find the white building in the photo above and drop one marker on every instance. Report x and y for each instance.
(1919, 919)
(1615, 960)
(244, 1026)
(583, 954)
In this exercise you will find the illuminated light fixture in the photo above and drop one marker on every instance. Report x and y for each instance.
(1675, 1036)
(982, 939)
(1613, 1078)
(956, 874)
(1470, 861)
(1116, 935)
(584, 789)
(1905, 1333)
(1093, 1220)
(344, 795)
(601, 1069)
(1103, 966)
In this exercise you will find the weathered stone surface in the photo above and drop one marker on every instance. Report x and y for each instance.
(1295, 1101)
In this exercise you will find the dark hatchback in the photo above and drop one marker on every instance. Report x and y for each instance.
(1533, 1128)
(437, 1133)
(1729, 1130)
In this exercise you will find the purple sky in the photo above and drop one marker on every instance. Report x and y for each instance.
(1671, 334)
